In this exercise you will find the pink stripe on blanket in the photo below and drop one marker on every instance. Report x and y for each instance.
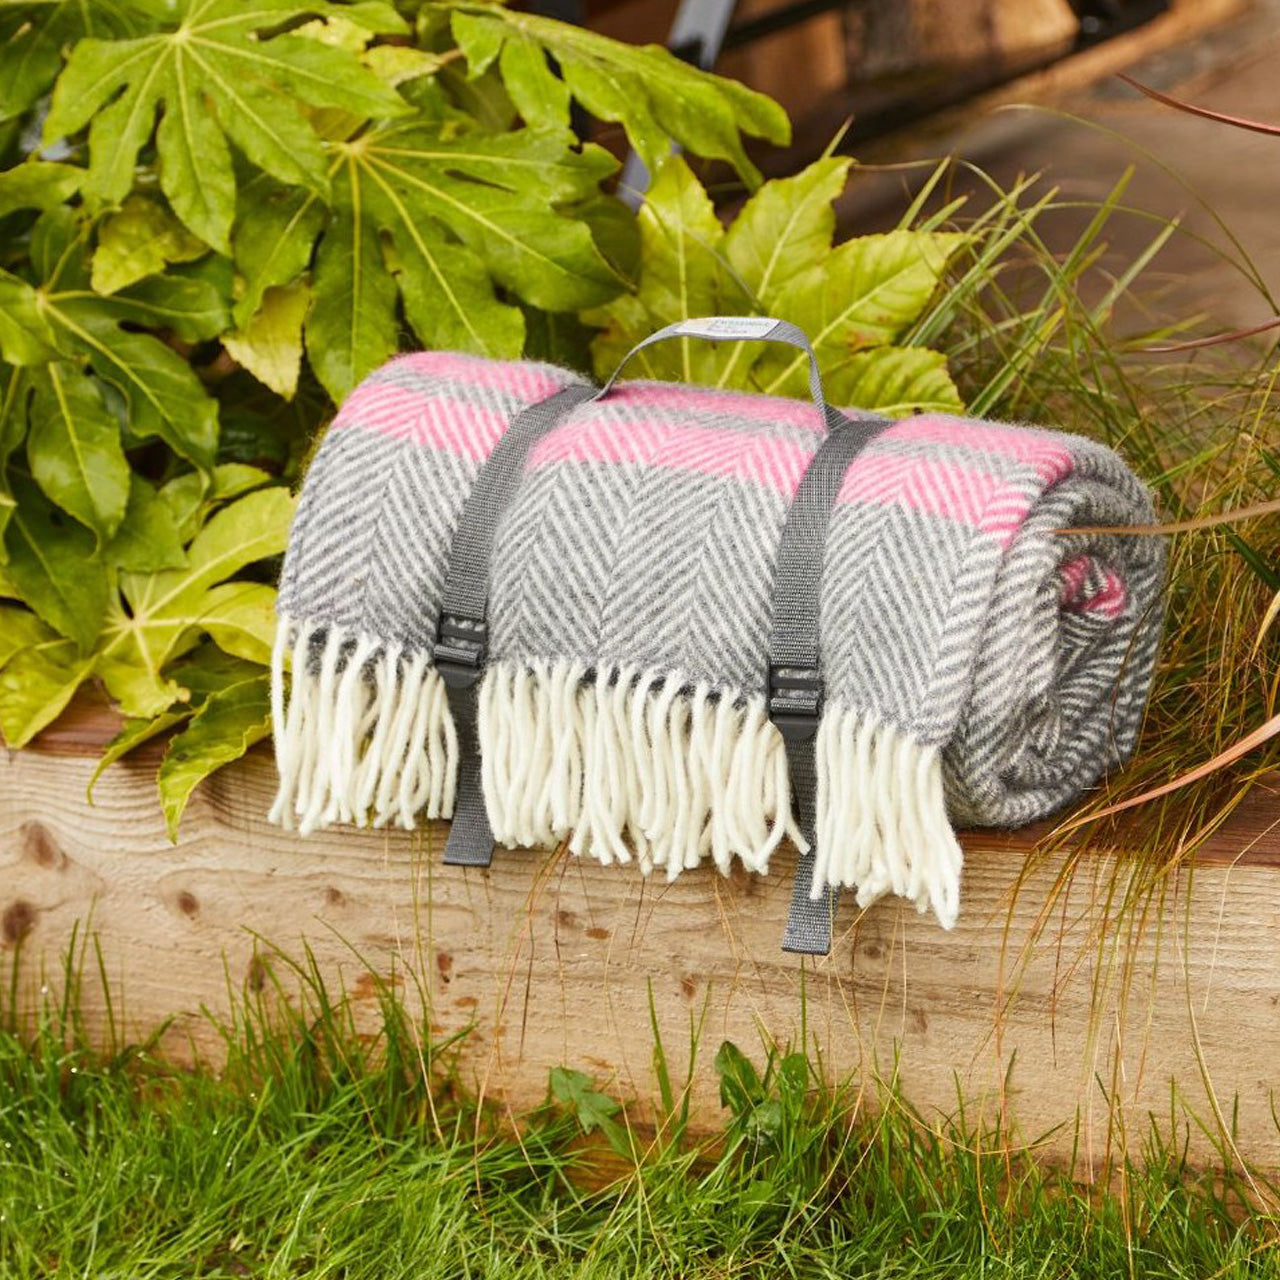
(433, 420)
(991, 503)
(1088, 586)
(730, 404)
(523, 381)
(778, 464)
(1112, 600)
(1050, 459)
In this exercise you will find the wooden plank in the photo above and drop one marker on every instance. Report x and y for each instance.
(552, 959)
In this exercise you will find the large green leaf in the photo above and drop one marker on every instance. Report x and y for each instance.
(854, 302)
(464, 216)
(191, 499)
(160, 391)
(352, 327)
(38, 184)
(148, 538)
(73, 448)
(241, 619)
(52, 563)
(276, 228)
(25, 335)
(224, 728)
(14, 388)
(204, 672)
(216, 81)
(250, 529)
(36, 685)
(786, 227)
(894, 381)
(19, 630)
(168, 611)
(656, 97)
(57, 249)
(683, 273)
(33, 37)
(867, 293)
(188, 306)
(163, 396)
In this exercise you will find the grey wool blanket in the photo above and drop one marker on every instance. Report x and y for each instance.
(983, 664)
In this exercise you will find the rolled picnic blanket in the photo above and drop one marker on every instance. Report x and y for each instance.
(982, 664)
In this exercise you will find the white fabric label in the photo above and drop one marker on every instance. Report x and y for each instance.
(729, 327)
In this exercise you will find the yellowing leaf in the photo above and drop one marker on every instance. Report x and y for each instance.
(35, 687)
(139, 691)
(133, 733)
(397, 63)
(894, 381)
(169, 610)
(785, 227)
(20, 629)
(224, 728)
(337, 32)
(241, 619)
(270, 345)
(867, 293)
(140, 240)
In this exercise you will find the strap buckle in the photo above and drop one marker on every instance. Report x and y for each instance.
(795, 700)
(462, 645)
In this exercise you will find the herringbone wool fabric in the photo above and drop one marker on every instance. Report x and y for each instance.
(980, 661)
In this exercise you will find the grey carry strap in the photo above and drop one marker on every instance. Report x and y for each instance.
(795, 687)
(740, 329)
(795, 675)
(462, 640)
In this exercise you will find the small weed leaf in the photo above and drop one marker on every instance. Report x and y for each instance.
(740, 1088)
(592, 1109)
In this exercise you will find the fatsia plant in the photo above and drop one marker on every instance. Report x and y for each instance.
(217, 216)
(857, 302)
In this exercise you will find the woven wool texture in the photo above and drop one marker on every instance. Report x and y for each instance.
(982, 666)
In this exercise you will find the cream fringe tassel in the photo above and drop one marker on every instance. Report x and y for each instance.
(882, 821)
(626, 765)
(630, 766)
(366, 736)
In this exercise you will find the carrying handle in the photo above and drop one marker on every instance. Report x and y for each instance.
(740, 328)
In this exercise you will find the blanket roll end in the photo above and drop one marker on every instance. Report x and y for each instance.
(882, 825)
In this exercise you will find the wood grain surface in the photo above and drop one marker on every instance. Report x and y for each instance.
(1038, 1008)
